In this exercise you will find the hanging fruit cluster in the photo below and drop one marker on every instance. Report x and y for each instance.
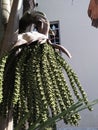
(32, 81)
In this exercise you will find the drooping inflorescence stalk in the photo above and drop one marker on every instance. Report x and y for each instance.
(2, 66)
(32, 82)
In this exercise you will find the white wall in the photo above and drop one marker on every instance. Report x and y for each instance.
(81, 39)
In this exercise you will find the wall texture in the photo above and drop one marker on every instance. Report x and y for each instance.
(80, 39)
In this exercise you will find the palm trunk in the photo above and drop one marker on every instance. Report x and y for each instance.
(7, 123)
(5, 7)
(7, 40)
(6, 35)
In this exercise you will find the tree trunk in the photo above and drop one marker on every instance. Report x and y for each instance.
(6, 123)
(6, 38)
(9, 33)
(5, 7)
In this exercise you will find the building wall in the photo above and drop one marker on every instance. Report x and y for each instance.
(80, 39)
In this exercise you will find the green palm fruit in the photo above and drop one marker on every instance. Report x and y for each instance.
(2, 66)
(74, 80)
(32, 81)
(69, 99)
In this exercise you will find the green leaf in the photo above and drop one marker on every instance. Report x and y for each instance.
(77, 107)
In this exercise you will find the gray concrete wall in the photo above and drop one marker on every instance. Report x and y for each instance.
(81, 39)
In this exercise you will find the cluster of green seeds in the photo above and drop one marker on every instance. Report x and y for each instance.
(2, 65)
(32, 81)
